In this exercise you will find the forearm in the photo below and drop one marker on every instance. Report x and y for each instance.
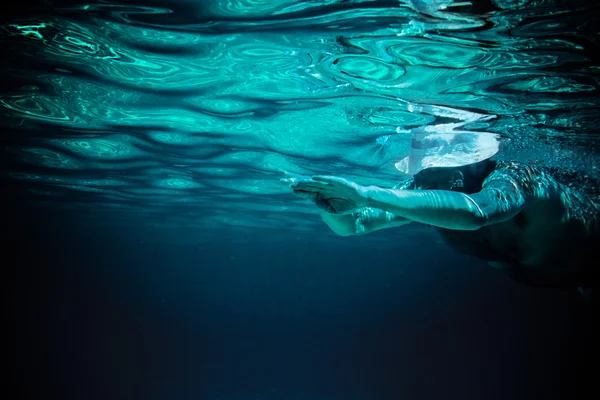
(362, 221)
(370, 219)
(340, 224)
(440, 208)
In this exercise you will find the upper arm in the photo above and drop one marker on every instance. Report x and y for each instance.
(501, 198)
(340, 224)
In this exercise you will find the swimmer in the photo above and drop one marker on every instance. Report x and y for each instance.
(516, 217)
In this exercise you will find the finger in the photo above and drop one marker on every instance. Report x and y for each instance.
(306, 188)
(332, 180)
(323, 205)
(306, 195)
(291, 175)
(309, 185)
(287, 181)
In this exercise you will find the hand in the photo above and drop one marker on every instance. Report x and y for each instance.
(332, 194)
(361, 218)
(366, 218)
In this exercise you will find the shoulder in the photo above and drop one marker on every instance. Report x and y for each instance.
(525, 179)
(508, 183)
(514, 180)
(512, 171)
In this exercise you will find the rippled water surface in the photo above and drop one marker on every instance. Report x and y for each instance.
(179, 113)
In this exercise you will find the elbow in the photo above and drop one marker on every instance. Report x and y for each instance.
(342, 231)
(475, 223)
(476, 218)
(465, 221)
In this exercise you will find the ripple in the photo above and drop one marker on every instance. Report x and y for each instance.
(98, 182)
(249, 186)
(159, 73)
(222, 105)
(154, 192)
(177, 183)
(23, 176)
(36, 106)
(159, 40)
(521, 60)
(398, 118)
(35, 177)
(263, 52)
(246, 8)
(97, 148)
(455, 56)
(172, 178)
(176, 123)
(436, 54)
(65, 38)
(550, 84)
(95, 48)
(218, 172)
(171, 138)
(367, 68)
(47, 158)
(512, 4)
(219, 96)
(265, 56)
(551, 27)
(72, 101)
(27, 29)
(274, 87)
(83, 188)
(120, 11)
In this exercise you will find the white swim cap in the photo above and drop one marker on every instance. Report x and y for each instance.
(441, 146)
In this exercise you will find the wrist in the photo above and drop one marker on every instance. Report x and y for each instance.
(369, 191)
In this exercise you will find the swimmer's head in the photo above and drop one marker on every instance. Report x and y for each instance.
(466, 178)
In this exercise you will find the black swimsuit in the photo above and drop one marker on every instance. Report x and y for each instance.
(531, 183)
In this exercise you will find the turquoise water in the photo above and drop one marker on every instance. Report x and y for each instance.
(152, 252)
(180, 114)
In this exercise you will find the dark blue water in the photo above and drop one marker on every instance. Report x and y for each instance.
(98, 318)
(152, 253)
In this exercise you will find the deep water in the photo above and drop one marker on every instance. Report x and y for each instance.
(100, 318)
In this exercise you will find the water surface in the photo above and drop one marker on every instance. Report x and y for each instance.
(178, 114)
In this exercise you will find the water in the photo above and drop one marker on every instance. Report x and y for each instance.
(181, 113)
(167, 122)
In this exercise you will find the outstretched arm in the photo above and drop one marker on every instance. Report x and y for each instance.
(361, 221)
(447, 209)
(355, 221)
(498, 201)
